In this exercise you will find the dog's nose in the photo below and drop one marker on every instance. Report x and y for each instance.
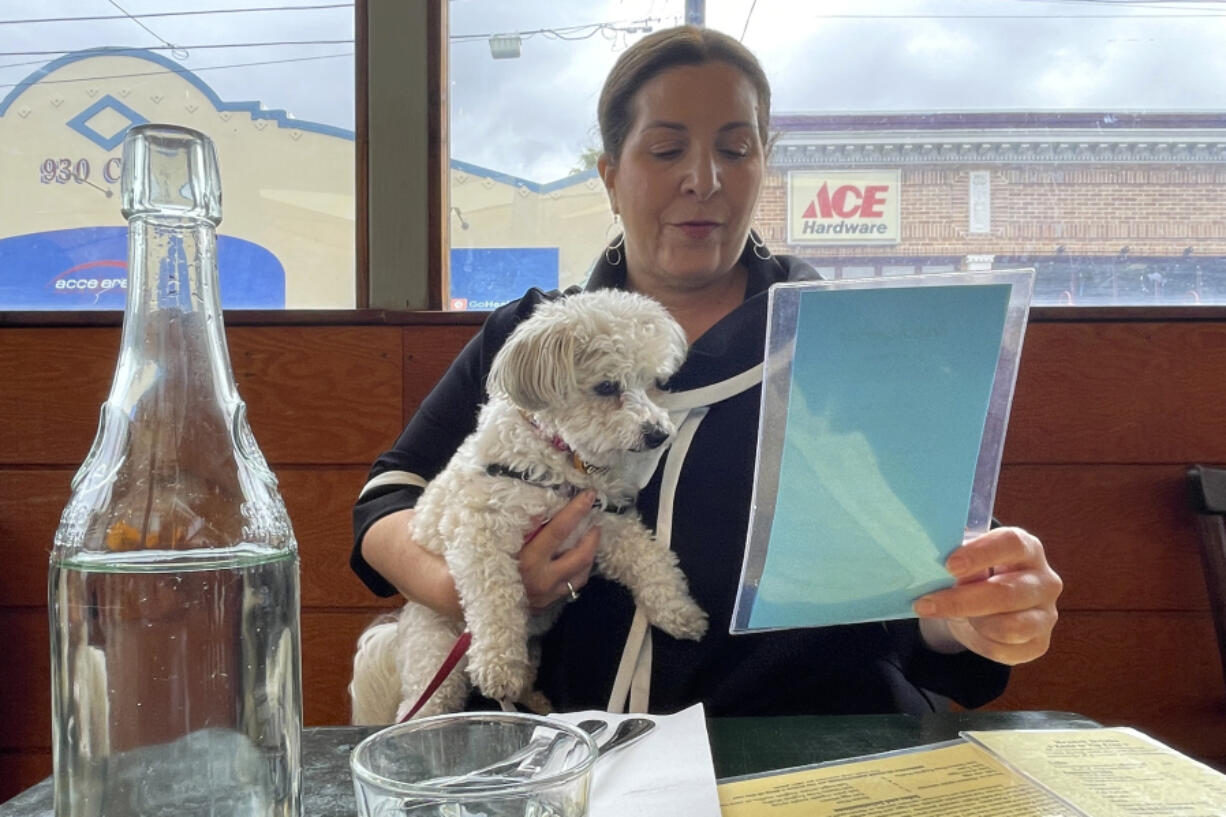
(654, 436)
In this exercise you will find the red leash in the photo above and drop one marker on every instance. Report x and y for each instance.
(457, 652)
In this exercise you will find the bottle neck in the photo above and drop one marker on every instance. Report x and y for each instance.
(173, 317)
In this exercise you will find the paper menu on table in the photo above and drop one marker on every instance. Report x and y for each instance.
(1110, 772)
(955, 779)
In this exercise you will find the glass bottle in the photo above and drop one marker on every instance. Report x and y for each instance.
(175, 652)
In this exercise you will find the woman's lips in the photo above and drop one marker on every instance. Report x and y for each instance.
(697, 229)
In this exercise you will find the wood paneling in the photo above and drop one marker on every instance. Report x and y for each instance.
(320, 396)
(428, 351)
(320, 504)
(52, 383)
(328, 641)
(1158, 672)
(25, 692)
(329, 638)
(19, 771)
(1121, 535)
(1107, 415)
(319, 501)
(1120, 392)
(30, 507)
(314, 395)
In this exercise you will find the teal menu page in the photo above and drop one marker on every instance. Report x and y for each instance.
(886, 408)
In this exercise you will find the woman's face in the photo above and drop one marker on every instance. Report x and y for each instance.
(688, 176)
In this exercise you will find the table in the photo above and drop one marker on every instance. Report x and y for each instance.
(738, 746)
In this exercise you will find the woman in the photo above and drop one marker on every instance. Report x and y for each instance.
(684, 117)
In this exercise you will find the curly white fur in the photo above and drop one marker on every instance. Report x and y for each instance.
(580, 370)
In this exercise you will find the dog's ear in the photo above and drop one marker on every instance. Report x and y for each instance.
(536, 366)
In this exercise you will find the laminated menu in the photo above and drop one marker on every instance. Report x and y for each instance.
(1104, 772)
(883, 415)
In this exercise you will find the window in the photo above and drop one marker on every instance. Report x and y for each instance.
(271, 83)
(1082, 138)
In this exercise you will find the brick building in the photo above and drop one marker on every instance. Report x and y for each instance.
(1108, 208)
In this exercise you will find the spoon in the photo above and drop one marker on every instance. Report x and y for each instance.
(593, 727)
(627, 732)
(529, 760)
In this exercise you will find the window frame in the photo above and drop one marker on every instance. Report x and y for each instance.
(401, 241)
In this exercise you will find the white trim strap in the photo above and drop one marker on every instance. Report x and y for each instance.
(392, 478)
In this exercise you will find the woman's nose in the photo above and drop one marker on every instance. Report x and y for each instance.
(702, 176)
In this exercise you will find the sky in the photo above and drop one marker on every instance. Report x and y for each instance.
(534, 115)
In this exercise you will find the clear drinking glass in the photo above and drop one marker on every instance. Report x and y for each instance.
(441, 767)
(173, 583)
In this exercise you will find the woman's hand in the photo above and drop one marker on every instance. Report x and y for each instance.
(1003, 606)
(546, 569)
(423, 576)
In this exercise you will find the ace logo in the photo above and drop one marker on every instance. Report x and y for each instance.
(848, 201)
(843, 207)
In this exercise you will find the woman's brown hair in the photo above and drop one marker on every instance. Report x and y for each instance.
(660, 51)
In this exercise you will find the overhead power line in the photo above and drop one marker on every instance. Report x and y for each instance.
(748, 17)
(190, 47)
(44, 81)
(155, 35)
(576, 32)
(150, 14)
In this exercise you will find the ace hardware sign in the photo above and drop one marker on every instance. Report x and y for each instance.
(843, 207)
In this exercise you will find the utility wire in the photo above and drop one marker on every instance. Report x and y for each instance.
(173, 71)
(163, 40)
(191, 47)
(567, 32)
(748, 15)
(143, 15)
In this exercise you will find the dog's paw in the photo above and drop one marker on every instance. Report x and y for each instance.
(536, 702)
(501, 679)
(683, 619)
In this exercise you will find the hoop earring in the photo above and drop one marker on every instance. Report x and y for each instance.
(613, 252)
(759, 246)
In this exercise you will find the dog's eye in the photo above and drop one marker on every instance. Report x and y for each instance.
(607, 388)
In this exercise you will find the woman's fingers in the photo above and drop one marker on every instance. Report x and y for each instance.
(1004, 603)
(545, 543)
(971, 633)
(999, 549)
(547, 564)
(1005, 592)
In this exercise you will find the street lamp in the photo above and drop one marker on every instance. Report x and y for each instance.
(504, 46)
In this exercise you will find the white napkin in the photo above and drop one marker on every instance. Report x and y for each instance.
(667, 772)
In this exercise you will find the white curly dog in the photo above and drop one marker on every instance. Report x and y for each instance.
(570, 408)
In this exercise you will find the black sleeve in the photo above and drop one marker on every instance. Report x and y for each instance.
(445, 418)
(965, 677)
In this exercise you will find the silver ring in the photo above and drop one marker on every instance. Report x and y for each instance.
(574, 594)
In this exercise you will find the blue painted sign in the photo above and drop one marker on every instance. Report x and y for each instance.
(87, 268)
(488, 277)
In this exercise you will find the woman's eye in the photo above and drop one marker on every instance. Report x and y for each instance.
(607, 388)
(735, 153)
